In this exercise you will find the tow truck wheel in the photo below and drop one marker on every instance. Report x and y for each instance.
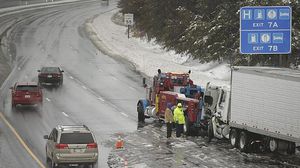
(233, 137)
(210, 131)
(140, 110)
(273, 145)
(244, 142)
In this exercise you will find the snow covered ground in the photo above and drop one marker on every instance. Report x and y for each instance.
(148, 56)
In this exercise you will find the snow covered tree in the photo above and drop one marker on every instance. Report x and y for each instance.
(205, 29)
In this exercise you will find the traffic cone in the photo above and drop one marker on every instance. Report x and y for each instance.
(119, 143)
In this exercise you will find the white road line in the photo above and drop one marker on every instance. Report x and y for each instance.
(84, 87)
(132, 88)
(65, 114)
(48, 99)
(114, 106)
(124, 114)
(100, 98)
(71, 77)
(40, 163)
(114, 78)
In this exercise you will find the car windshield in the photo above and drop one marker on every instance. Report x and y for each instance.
(76, 138)
(50, 70)
(27, 87)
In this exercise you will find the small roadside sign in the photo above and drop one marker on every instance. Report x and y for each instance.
(265, 30)
(128, 19)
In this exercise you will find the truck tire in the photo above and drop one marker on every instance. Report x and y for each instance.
(210, 131)
(291, 148)
(140, 110)
(244, 142)
(273, 145)
(234, 137)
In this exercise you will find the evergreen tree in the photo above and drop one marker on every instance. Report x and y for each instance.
(205, 29)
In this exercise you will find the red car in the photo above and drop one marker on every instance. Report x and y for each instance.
(28, 93)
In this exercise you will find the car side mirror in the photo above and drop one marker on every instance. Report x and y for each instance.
(39, 70)
(46, 137)
(62, 71)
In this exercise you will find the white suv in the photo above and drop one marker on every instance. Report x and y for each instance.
(71, 145)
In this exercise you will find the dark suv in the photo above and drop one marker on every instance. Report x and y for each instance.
(50, 76)
(26, 93)
(71, 145)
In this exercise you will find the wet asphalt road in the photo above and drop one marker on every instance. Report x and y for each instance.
(11, 3)
(98, 91)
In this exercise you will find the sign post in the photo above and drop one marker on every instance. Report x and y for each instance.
(265, 30)
(128, 20)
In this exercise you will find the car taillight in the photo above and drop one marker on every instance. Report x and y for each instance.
(91, 145)
(61, 146)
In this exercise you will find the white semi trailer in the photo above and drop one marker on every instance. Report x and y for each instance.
(261, 111)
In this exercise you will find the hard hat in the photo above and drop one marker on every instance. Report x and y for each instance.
(179, 105)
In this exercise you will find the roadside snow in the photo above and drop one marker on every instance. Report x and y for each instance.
(148, 56)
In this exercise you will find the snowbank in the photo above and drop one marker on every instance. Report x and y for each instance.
(148, 57)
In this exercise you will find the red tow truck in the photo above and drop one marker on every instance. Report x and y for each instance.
(173, 88)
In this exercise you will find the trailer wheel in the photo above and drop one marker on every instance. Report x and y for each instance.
(291, 148)
(273, 145)
(140, 110)
(210, 131)
(233, 136)
(243, 142)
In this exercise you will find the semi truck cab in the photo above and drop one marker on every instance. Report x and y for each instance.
(217, 106)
